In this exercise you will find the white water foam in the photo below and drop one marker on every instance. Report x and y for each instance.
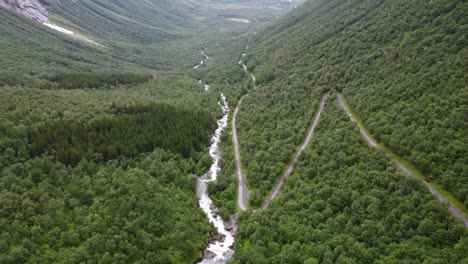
(219, 250)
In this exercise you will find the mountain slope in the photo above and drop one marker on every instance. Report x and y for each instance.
(345, 203)
(98, 203)
(31, 49)
(131, 21)
(400, 63)
(152, 34)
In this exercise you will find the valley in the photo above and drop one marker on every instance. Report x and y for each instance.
(247, 131)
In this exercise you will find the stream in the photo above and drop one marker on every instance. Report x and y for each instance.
(203, 61)
(220, 247)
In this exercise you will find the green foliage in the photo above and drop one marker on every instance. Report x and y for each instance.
(135, 130)
(223, 192)
(136, 21)
(346, 203)
(119, 212)
(400, 63)
(94, 80)
(420, 111)
(125, 210)
(272, 122)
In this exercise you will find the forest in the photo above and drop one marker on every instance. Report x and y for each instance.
(100, 146)
(346, 203)
(98, 150)
(401, 65)
(120, 209)
(94, 80)
(119, 212)
(135, 129)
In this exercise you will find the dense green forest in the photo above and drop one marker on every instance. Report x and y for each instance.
(346, 203)
(136, 129)
(99, 150)
(118, 212)
(138, 208)
(94, 80)
(224, 191)
(272, 123)
(402, 65)
(421, 113)
(100, 146)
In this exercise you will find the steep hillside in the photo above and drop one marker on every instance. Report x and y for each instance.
(345, 203)
(152, 34)
(83, 200)
(160, 35)
(128, 21)
(132, 200)
(402, 64)
(30, 49)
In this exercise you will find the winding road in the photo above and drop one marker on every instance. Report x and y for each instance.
(219, 250)
(243, 191)
(451, 207)
(304, 145)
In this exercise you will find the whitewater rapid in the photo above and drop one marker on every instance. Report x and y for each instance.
(219, 250)
(202, 62)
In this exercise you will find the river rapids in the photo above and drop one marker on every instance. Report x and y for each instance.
(220, 248)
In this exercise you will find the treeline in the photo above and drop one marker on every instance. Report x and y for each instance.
(133, 130)
(94, 80)
(346, 203)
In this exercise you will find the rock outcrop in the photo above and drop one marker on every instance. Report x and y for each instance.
(31, 8)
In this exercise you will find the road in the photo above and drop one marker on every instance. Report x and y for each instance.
(304, 145)
(452, 209)
(243, 191)
(364, 134)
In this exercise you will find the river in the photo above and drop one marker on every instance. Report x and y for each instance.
(220, 248)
